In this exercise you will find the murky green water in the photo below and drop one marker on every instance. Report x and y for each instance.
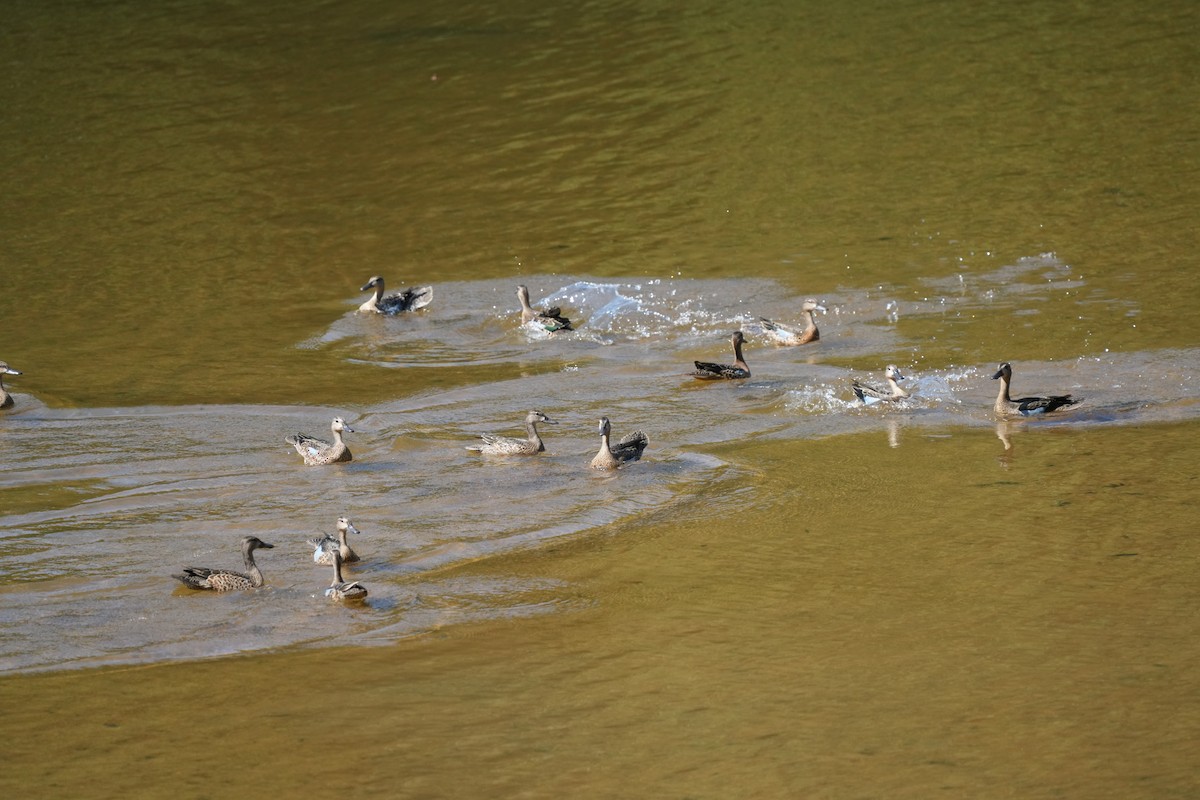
(790, 595)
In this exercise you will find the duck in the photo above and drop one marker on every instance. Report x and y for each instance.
(6, 399)
(325, 546)
(629, 449)
(550, 320)
(787, 337)
(711, 372)
(1026, 406)
(341, 589)
(227, 580)
(870, 395)
(318, 451)
(505, 446)
(410, 299)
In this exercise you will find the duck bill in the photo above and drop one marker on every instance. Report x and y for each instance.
(999, 374)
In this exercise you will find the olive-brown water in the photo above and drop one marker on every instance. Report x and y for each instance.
(791, 595)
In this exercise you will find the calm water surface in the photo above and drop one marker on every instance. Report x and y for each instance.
(791, 595)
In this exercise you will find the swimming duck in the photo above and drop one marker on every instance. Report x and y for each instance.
(227, 580)
(550, 319)
(709, 372)
(785, 336)
(325, 546)
(318, 451)
(870, 395)
(504, 446)
(410, 299)
(6, 399)
(340, 589)
(627, 450)
(1026, 406)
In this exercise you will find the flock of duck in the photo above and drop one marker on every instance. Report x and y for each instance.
(330, 550)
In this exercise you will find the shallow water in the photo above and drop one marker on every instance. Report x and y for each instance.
(144, 490)
(791, 595)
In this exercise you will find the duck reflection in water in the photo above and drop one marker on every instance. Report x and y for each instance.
(1003, 431)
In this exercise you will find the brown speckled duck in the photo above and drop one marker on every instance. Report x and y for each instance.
(1026, 406)
(6, 399)
(786, 336)
(627, 450)
(505, 446)
(550, 319)
(227, 580)
(870, 395)
(410, 299)
(706, 371)
(325, 546)
(341, 589)
(318, 451)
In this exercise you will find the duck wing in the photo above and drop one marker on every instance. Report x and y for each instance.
(630, 447)
(709, 371)
(863, 392)
(555, 324)
(776, 331)
(1042, 405)
(308, 446)
(194, 577)
(300, 440)
(408, 300)
(552, 320)
(217, 579)
(347, 591)
(323, 548)
(501, 445)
